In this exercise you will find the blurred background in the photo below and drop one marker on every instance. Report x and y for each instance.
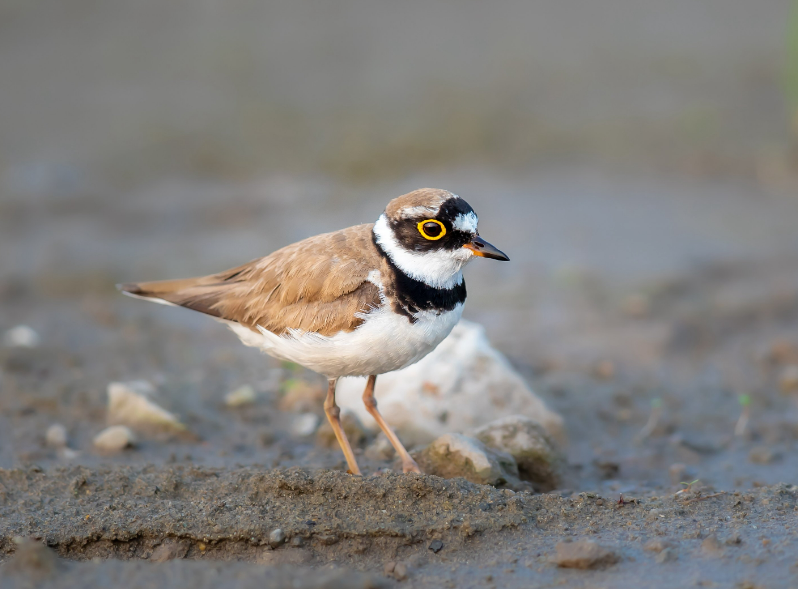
(636, 159)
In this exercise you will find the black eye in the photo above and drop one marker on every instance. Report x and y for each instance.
(432, 229)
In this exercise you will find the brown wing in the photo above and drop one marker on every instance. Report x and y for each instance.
(318, 284)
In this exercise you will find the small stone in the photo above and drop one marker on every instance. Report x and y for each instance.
(761, 455)
(276, 538)
(169, 550)
(388, 568)
(538, 459)
(243, 395)
(436, 546)
(130, 403)
(114, 438)
(354, 430)
(788, 379)
(297, 542)
(56, 436)
(583, 554)
(456, 455)
(305, 424)
(656, 545)
(711, 547)
(667, 555)
(21, 336)
(327, 539)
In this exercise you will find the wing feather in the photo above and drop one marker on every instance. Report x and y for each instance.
(320, 284)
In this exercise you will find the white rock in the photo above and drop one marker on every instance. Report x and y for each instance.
(114, 438)
(244, 395)
(461, 385)
(56, 436)
(129, 403)
(21, 336)
(305, 424)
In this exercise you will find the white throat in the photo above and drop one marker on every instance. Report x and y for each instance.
(439, 268)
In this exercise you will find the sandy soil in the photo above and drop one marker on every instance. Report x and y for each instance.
(634, 160)
(600, 340)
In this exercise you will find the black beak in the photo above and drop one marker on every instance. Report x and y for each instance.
(483, 249)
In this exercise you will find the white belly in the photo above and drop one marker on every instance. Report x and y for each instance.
(383, 343)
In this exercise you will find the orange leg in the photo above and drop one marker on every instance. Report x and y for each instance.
(333, 413)
(408, 464)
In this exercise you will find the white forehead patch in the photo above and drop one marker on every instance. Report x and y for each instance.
(412, 212)
(466, 222)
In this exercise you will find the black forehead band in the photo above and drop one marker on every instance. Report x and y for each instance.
(453, 207)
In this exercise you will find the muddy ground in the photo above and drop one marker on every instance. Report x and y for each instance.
(602, 342)
(633, 159)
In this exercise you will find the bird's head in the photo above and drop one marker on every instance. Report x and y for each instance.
(430, 234)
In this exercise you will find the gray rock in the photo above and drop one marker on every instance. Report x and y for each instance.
(584, 554)
(276, 538)
(456, 455)
(537, 456)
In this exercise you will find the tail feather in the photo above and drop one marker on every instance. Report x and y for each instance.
(198, 294)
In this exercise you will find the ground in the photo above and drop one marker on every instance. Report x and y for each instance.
(686, 317)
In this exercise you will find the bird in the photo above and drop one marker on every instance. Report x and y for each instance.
(361, 301)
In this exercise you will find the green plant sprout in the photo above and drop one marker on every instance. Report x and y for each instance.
(745, 414)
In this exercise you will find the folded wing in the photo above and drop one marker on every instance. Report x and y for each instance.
(319, 285)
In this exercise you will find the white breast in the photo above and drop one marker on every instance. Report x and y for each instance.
(386, 341)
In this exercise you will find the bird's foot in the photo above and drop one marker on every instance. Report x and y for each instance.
(409, 465)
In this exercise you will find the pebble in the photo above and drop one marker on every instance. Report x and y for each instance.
(436, 546)
(243, 395)
(305, 424)
(114, 438)
(538, 458)
(21, 336)
(583, 554)
(56, 436)
(276, 538)
(129, 403)
(169, 550)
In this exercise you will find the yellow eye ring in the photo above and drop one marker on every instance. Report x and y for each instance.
(426, 235)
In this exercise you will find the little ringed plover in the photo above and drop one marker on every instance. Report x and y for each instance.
(361, 301)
